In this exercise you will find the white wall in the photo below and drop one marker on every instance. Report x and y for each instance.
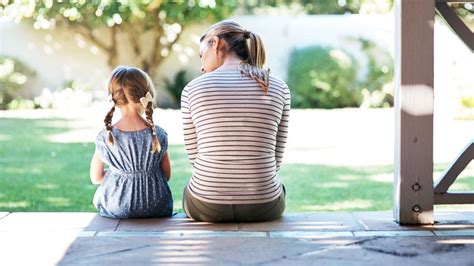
(56, 56)
(283, 34)
(60, 55)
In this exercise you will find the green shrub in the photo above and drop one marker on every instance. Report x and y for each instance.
(377, 87)
(13, 75)
(322, 77)
(176, 85)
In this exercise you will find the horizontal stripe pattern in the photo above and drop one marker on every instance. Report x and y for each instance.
(235, 136)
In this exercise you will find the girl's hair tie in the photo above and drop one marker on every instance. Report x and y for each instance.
(110, 98)
(246, 34)
(147, 99)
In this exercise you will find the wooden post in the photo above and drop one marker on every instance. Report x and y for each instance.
(413, 165)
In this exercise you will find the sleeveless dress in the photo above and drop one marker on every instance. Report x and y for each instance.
(135, 185)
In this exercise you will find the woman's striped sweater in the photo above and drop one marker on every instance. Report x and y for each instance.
(235, 136)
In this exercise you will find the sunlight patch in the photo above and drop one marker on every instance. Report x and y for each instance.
(59, 201)
(412, 103)
(459, 187)
(47, 186)
(383, 178)
(74, 136)
(341, 205)
(14, 204)
(461, 241)
(5, 137)
(177, 205)
(333, 185)
(348, 177)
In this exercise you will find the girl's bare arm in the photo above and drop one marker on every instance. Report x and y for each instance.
(97, 172)
(166, 166)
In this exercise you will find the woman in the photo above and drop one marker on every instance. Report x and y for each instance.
(235, 120)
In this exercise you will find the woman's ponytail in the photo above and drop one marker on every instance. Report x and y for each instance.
(247, 45)
(255, 61)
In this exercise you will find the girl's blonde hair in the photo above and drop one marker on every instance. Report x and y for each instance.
(128, 85)
(248, 46)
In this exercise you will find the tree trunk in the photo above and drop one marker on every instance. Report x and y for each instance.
(112, 51)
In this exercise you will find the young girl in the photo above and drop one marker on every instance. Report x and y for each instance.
(136, 183)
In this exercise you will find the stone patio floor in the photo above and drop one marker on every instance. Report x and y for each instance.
(338, 238)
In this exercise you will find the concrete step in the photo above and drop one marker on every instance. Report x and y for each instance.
(339, 238)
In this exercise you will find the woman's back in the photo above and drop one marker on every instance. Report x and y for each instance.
(235, 134)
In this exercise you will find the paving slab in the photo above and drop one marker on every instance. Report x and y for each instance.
(451, 220)
(220, 251)
(469, 233)
(310, 234)
(30, 221)
(177, 222)
(336, 221)
(268, 251)
(387, 251)
(469, 214)
(393, 251)
(407, 233)
(422, 249)
(182, 234)
(313, 238)
(444, 220)
(341, 255)
(381, 221)
(35, 248)
(140, 251)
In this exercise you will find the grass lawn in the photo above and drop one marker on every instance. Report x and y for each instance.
(37, 174)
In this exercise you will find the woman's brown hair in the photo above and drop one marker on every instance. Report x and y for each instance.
(129, 85)
(248, 46)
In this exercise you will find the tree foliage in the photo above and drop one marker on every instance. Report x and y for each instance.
(327, 6)
(163, 20)
(102, 21)
(13, 76)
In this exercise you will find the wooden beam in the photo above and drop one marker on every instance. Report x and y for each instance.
(453, 171)
(414, 98)
(456, 24)
(455, 1)
(454, 198)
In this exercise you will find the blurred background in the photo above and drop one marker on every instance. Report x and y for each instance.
(335, 55)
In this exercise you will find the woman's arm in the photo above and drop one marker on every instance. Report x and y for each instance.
(97, 172)
(190, 137)
(282, 133)
(166, 166)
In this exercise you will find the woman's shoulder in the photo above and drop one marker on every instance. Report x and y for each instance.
(215, 76)
(279, 85)
(275, 81)
(196, 81)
